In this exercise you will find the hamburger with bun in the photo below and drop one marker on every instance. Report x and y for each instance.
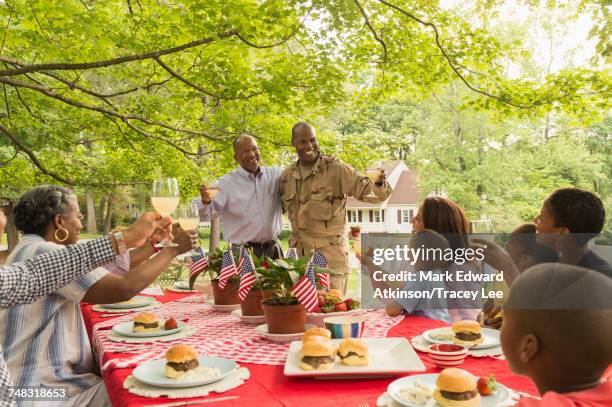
(456, 388)
(180, 360)
(353, 352)
(317, 353)
(467, 333)
(314, 332)
(146, 322)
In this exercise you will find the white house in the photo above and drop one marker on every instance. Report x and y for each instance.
(393, 215)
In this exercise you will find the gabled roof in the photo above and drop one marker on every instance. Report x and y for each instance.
(405, 192)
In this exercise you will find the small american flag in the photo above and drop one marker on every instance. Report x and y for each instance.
(291, 253)
(319, 260)
(237, 253)
(228, 268)
(247, 274)
(197, 263)
(305, 290)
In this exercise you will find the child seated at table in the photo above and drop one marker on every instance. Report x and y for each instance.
(569, 219)
(556, 330)
(524, 251)
(433, 308)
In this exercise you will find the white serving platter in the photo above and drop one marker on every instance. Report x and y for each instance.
(388, 357)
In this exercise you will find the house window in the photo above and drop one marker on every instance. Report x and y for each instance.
(377, 216)
(352, 216)
(406, 216)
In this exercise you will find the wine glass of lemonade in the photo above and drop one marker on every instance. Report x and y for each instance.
(165, 199)
(189, 218)
(373, 172)
(213, 188)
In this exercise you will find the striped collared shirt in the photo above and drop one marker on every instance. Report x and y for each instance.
(250, 205)
(45, 342)
(23, 283)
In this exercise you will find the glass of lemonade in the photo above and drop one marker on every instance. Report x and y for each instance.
(165, 199)
(213, 188)
(189, 218)
(373, 172)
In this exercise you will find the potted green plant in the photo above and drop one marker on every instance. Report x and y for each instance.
(229, 294)
(251, 306)
(283, 311)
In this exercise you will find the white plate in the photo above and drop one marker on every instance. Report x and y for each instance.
(152, 372)
(491, 338)
(249, 319)
(501, 395)
(223, 308)
(263, 331)
(137, 302)
(181, 285)
(126, 329)
(388, 356)
(318, 317)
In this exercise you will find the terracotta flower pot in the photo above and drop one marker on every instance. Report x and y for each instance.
(252, 303)
(227, 295)
(285, 319)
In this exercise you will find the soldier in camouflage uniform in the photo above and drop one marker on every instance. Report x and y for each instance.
(314, 191)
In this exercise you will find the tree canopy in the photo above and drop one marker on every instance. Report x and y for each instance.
(101, 95)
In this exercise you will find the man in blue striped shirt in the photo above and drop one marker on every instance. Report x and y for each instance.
(248, 201)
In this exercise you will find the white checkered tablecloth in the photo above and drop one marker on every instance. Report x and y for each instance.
(218, 334)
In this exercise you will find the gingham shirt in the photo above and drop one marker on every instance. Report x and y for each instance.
(23, 283)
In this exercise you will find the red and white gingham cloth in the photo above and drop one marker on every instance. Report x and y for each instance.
(218, 334)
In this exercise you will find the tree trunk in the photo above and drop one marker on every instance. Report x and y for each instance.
(109, 213)
(91, 213)
(215, 232)
(100, 210)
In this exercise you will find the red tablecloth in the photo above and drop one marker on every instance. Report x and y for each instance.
(269, 387)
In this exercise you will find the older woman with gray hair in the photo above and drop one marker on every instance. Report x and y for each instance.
(22, 283)
(45, 343)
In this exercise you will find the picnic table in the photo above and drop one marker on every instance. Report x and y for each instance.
(267, 385)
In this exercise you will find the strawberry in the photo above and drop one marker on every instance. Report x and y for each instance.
(170, 324)
(486, 385)
(340, 307)
(321, 299)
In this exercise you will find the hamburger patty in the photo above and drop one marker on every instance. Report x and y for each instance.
(145, 325)
(466, 395)
(184, 366)
(468, 336)
(316, 361)
(349, 355)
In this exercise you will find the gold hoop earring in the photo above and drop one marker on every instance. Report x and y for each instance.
(65, 237)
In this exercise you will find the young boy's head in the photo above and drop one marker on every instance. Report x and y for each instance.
(525, 250)
(557, 326)
(570, 210)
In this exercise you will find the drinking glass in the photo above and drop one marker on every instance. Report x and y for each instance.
(165, 199)
(189, 218)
